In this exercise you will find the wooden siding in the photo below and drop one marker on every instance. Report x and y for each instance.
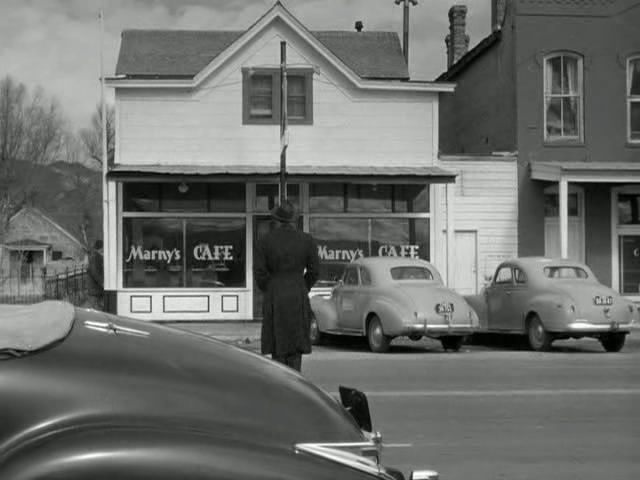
(204, 126)
(485, 201)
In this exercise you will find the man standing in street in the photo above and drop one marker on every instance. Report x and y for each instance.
(285, 267)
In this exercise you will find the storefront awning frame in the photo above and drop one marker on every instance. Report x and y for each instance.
(581, 172)
(353, 174)
(587, 172)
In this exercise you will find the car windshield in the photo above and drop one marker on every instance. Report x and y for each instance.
(411, 273)
(565, 272)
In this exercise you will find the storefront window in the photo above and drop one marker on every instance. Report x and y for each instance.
(175, 197)
(368, 198)
(215, 252)
(197, 253)
(268, 196)
(341, 240)
(629, 209)
(552, 205)
(629, 264)
(153, 252)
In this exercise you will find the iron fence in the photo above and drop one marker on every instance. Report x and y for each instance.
(70, 285)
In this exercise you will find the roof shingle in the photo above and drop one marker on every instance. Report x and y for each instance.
(184, 53)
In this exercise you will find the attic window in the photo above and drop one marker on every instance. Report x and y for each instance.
(261, 92)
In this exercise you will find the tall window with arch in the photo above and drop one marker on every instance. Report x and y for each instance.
(563, 97)
(633, 99)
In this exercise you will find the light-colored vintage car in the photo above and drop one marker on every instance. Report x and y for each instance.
(548, 299)
(388, 297)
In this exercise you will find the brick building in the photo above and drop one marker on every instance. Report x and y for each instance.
(558, 82)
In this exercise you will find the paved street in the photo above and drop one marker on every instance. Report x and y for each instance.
(492, 412)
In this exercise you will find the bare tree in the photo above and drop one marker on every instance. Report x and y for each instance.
(31, 133)
(92, 137)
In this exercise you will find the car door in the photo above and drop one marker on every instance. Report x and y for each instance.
(347, 299)
(516, 301)
(498, 294)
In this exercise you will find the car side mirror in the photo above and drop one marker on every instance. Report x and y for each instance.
(355, 402)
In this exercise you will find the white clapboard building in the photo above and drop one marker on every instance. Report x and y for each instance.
(198, 157)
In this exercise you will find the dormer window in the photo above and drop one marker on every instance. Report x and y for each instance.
(563, 98)
(261, 93)
(633, 100)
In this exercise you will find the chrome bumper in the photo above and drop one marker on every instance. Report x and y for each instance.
(586, 326)
(438, 329)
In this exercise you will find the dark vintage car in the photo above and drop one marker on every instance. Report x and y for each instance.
(550, 299)
(86, 395)
(387, 297)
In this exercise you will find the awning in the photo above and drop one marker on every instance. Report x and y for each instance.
(594, 172)
(355, 173)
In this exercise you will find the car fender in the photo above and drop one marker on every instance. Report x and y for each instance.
(114, 453)
(393, 314)
(478, 303)
(550, 307)
(325, 312)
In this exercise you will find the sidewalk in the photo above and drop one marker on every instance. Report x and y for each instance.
(242, 333)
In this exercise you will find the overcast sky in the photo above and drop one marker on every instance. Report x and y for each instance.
(55, 44)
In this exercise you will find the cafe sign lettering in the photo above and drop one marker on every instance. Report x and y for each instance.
(349, 254)
(201, 252)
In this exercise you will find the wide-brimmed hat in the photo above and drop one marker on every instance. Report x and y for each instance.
(285, 212)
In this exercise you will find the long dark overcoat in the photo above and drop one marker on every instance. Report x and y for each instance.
(285, 267)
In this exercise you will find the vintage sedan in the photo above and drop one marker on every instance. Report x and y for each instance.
(87, 395)
(549, 299)
(387, 297)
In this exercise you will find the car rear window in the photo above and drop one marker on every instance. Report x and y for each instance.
(565, 272)
(411, 273)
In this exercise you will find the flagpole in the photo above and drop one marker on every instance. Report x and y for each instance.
(284, 140)
(105, 191)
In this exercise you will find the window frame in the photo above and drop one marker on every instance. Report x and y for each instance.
(631, 98)
(546, 94)
(274, 72)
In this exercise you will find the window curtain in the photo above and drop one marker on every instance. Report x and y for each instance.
(261, 99)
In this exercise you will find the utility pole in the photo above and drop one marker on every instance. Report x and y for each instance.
(284, 134)
(405, 26)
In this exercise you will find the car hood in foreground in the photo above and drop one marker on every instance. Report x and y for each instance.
(136, 373)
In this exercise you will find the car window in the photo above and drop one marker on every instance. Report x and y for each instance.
(350, 276)
(504, 276)
(565, 272)
(411, 273)
(365, 276)
(519, 276)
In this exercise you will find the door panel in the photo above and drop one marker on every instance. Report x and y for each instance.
(465, 273)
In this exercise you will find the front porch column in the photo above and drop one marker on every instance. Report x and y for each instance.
(563, 204)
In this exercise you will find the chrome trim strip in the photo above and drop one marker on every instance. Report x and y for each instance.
(330, 452)
(112, 328)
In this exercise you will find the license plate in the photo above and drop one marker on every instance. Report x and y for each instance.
(603, 300)
(444, 308)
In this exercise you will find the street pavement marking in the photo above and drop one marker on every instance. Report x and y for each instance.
(500, 393)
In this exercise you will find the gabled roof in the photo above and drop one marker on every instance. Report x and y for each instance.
(48, 218)
(184, 53)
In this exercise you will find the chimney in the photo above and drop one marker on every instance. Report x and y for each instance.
(498, 8)
(457, 41)
(359, 25)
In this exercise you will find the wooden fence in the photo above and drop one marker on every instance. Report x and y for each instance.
(70, 285)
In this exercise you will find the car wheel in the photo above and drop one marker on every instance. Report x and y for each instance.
(613, 342)
(315, 335)
(452, 342)
(378, 341)
(539, 339)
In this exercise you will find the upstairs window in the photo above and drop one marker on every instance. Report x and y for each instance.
(563, 98)
(261, 94)
(633, 100)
